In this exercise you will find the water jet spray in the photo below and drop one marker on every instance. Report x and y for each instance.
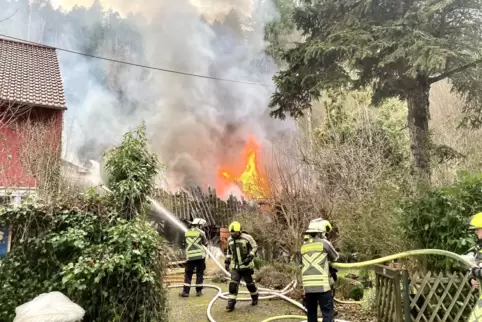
(269, 294)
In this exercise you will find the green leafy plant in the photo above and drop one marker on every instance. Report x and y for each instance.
(439, 218)
(90, 247)
(131, 170)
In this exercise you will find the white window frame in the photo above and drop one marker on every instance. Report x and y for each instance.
(17, 193)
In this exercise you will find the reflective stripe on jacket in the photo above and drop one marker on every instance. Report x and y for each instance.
(194, 245)
(315, 271)
(476, 315)
(238, 250)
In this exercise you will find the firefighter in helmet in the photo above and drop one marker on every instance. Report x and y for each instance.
(195, 240)
(327, 228)
(239, 260)
(316, 254)
(475, 223)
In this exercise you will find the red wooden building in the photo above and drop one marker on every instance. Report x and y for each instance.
(31, 97)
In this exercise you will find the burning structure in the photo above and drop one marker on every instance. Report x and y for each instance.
(250, 177)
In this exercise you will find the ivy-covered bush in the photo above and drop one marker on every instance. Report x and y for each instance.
(103, 255)
(439, 218)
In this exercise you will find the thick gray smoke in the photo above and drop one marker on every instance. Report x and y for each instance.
(194, 124)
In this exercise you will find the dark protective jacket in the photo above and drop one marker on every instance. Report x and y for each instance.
(238, 250)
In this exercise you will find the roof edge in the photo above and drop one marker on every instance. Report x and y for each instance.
(51, 107)
(25, 42)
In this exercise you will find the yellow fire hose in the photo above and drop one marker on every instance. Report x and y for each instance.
(281, 294)
(268, 294)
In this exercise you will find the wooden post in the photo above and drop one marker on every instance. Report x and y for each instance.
(388, 294)
(406, 296)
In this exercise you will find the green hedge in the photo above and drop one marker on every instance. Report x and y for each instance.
(99, 251)
(108, 265)
(439, 218)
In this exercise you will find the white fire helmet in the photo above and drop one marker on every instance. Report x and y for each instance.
(198, 222)
(319, 226)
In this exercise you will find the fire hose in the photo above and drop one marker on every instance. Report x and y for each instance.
(292, 285)
(269, 294)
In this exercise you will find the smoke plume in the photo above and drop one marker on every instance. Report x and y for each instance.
(194, 124)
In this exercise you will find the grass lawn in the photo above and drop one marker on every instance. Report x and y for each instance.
(193, 308)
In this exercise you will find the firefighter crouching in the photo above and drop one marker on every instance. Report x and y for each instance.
(194, 240)
(316, 254)
(239, 260)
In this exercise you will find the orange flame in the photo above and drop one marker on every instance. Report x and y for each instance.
(251, 180)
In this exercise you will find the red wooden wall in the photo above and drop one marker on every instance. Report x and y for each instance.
(12, 136)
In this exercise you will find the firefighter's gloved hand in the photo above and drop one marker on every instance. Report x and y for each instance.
(227, 262)
(333, 272)
(248, 259)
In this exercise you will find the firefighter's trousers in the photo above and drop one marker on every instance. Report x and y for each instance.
(200, 266)
(325, 301)
(247, 276)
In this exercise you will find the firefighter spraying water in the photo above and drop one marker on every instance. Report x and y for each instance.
(321, 228)
(269, 294)
(194, 242)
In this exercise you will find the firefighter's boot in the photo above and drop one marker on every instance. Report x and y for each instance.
(199, 293)
(254, 300)
(183, 294)
(231, 305)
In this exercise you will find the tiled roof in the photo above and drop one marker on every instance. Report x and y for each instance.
(30, 74)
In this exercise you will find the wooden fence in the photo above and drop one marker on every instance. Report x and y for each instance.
(389, 295)
(206, 205)
(443, 297)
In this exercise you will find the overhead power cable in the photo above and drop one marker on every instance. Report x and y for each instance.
(13, 14)
(138, 65)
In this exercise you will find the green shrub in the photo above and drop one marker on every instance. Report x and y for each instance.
(104, 263)
(439, 218)
(131, 170)
(347, 288)
(372, 226)
(99, 251)
(356, 293)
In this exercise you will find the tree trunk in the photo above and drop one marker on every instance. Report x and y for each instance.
(418, 117)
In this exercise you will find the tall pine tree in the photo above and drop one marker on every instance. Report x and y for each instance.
(398, 48)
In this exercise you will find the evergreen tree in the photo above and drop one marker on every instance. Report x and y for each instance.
(398, 48)
(278, 32)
